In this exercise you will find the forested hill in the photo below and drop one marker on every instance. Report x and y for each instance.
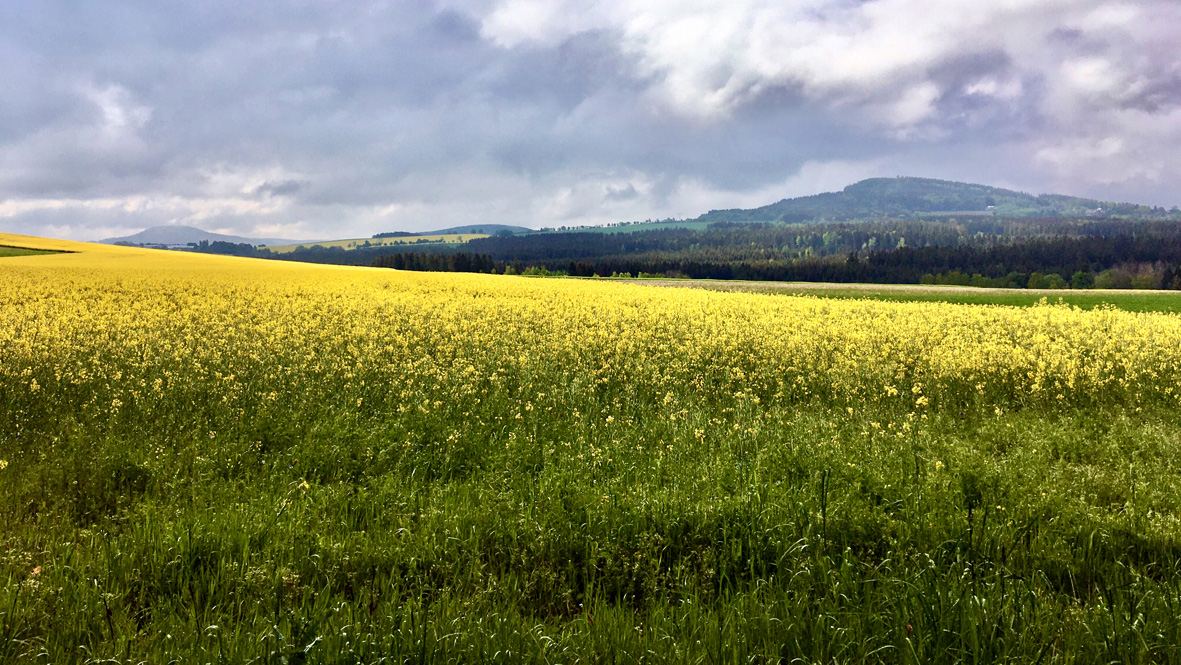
(889, 230)
(878, 198)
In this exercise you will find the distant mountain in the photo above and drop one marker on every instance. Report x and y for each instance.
(174, 236)
(878, 198)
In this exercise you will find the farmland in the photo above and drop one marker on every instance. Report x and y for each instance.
(20, 251)
(214, 459)
(1132, 301)
(355, 243)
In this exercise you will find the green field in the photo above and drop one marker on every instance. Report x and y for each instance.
(6, 250)
(1128, 300)
(355, 243)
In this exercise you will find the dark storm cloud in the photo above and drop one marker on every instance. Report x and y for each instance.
(281, 188)
(315, 119)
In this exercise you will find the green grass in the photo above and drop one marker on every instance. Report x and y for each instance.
(6, 250)
(815, 539)
(802, 532)
(1132, 301)
(1129, 301)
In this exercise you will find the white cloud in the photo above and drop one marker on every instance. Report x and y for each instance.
(889, 66)
(226, 180)
(709, 58)
(521, 21)
(1095, 78)
(1137, 147)
(991, 86)
(148, 210)
(120, 116)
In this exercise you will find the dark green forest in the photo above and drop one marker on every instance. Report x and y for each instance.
(996, 252)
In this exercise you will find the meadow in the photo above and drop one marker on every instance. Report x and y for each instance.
(354, 243)
(214, 459)
(20, 251)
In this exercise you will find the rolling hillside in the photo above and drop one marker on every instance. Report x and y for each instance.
(365, 243)
(877, 198)
(176, 236)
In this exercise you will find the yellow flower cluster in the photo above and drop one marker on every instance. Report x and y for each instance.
(120, 329)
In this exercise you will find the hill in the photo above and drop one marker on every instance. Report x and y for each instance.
(179, 236)
(478, 229)
(878, 198)
(470, 229)
(381, 240)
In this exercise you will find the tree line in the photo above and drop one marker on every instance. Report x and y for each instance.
(975, 250)
(1101, 262)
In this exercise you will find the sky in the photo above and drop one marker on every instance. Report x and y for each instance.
(305, 119)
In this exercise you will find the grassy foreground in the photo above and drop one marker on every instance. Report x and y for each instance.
(209, 459)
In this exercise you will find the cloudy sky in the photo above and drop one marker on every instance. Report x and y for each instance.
(308, 119)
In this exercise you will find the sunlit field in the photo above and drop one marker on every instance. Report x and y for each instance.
(212, 459)
(383, 242)
(1125, 299)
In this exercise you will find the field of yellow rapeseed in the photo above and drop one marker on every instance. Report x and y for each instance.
(218, 459)
(71, 322)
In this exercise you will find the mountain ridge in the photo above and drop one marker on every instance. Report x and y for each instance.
(182, 235)
(877, 198)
